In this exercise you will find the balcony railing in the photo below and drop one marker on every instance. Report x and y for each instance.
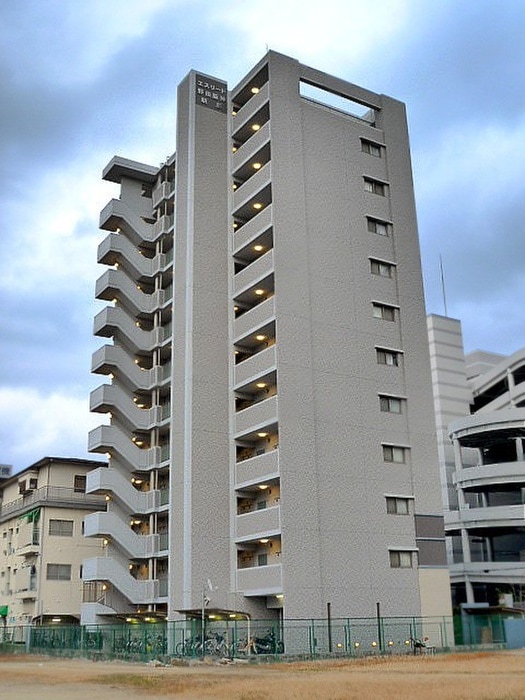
(51, 495)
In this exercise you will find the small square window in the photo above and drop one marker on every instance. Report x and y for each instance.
(262, 560)
(387, 357)
(61, 528)
(400, 559)
(58, 572)
(79, 485)
(384, 311)
(390, 404)
(375, 186)
(393, 453)
(381, 268)
(382, 228)
(397, 505)
(373, 149)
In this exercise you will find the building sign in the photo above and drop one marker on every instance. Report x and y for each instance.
(210, 93)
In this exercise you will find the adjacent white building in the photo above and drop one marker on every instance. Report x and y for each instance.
(480, 413)
(272, 442)
(41, 541)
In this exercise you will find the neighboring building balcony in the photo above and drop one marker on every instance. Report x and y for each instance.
(110, 525)
(508, 572)
(490, 475)
(260, 468)
(49, 496)
(119, 215)
(117, 248)
(110, 359)
(260, 414)
(110, 398)
(260, 580)
(110, 439)
(261, 363)
(488, 517)
(162, 192)
(138, 592)
(251, 320)
(258, 523)
(472, 431)
(112, 320)
(257, 270)
(32, 544)
(106, 481)
(163, 225)
(115, 284)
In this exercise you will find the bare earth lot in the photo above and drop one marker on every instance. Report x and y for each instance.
(488, 676)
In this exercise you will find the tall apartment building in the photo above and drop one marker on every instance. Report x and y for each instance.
(272, 440)
(480, 414)
(41, 541)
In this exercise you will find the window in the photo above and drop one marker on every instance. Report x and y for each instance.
(261, 505)
(392, 453)
(262, 560)
(377, 226)
(384, 311)
(373, 149)
(375, 186)
(387, 357)
(397, 505)
(58, 572)
(400, 559)
(390, 404)
(383, 269)
(61, 528)
(79, 483)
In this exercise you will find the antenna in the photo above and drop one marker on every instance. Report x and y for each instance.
(443, 283)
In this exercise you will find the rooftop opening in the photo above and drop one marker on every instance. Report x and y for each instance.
(336, 101)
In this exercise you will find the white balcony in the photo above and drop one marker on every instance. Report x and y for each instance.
(163, 191)
(250, 108)
(260, 580)
(253, 228)
(111, 321)
(110, 525)
(108, 569)
(490, 474)
(118, 248)
(110, 439)
(106, 480)
(257, 270)
(252, 186)
(512, 572)
(117, 214)
(257, 469)
(258, 415)
(112, 358)
(494, 516)
(110, 398)
(253, 319)
(116, 284)
(258, 523)
(261, 363)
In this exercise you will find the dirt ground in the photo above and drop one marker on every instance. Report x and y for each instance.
(488, 676)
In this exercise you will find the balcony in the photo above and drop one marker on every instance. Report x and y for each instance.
(260, 414)
(138, 592)
(252, 105)
(112, 358)
(489, 517)
(260, 580)
(117, 214)
(112, 321)
(251, 274)
(163, 225)
(106, 480)
(110, 398)
(260, 468)
(50, 496)
(164, 191)
(109, 438)
(490, 475)
(249, 189)
(489, 572)
(261, 363)
(110, 525)
(116, 284)
(253, 228)
(116, 248)
(251, 320)
(258, 523)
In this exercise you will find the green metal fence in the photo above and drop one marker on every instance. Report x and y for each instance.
(255, 639)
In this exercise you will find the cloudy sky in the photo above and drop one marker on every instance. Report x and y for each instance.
(82, 80)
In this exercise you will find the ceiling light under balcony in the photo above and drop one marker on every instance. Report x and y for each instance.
(259, 292)
(257, 166)
(265, 540)
(263, 487)
(254, 90)
(256, 127)
(260, 337)
(258, 248)
(257, 205)
(262, 435)
(261, 385)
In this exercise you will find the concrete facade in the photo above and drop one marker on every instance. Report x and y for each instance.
(41, 541)
(266, 282)
(480, 413)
